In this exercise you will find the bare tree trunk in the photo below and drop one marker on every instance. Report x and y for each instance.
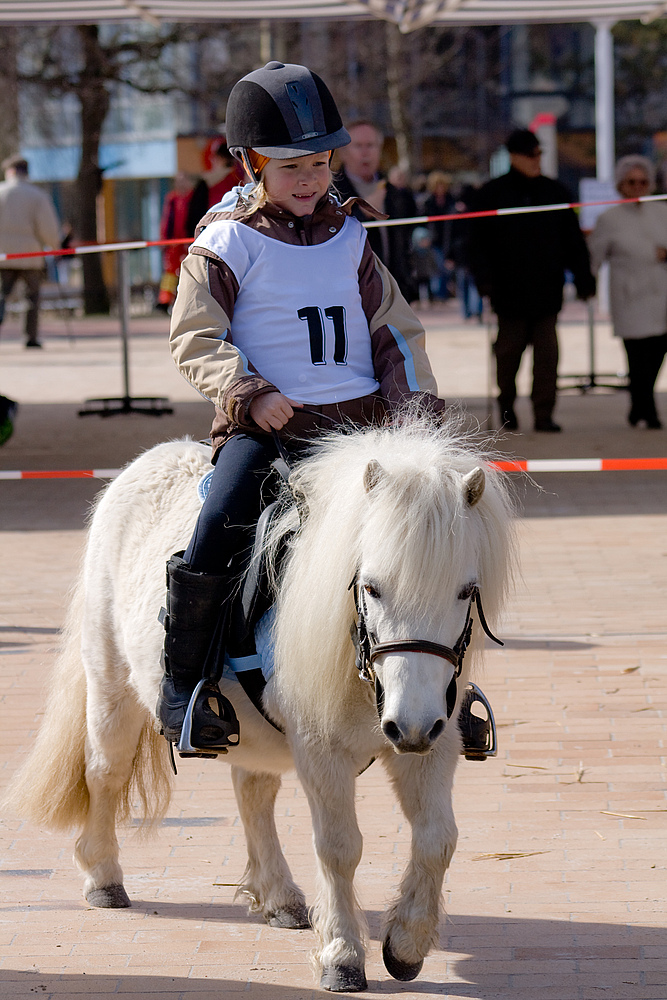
(94, 98)
(396, 91)
(9, 95)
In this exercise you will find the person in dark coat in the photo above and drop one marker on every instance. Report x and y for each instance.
(519, 262)
(360, 177)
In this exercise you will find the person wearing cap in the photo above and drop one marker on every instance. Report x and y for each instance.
(28, 223)
(288, 323)
(519, 261)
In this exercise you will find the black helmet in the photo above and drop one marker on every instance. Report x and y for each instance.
(283, 110)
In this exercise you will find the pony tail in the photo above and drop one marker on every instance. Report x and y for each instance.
(50, 788)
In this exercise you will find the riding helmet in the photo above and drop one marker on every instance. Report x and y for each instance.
(281, 111)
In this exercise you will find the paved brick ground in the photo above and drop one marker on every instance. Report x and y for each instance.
(558, 887)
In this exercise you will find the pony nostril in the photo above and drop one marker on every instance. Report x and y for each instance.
(392, 732)
(436, 731)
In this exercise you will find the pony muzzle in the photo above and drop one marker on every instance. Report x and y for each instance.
(410, 742)
(407, 736)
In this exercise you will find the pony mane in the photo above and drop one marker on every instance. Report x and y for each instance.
(421, 528)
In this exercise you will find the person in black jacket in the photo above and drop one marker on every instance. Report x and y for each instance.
(360, 177)
(519, 262)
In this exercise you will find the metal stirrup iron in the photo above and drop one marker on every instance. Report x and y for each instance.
(217, 726)
(479, 734)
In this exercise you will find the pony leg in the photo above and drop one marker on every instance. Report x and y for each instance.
(267, 880)
(423, 786)
(336, 915)
(114, 731)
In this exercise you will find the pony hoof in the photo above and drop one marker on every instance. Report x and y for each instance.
(405, 971)
(110, 897)
(343, 979)
(293, 918)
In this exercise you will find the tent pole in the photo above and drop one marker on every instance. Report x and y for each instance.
(604, 100)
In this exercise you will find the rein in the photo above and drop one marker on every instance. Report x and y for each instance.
(368, 648)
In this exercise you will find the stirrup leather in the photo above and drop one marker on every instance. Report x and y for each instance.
(210, 725)
(479, 734)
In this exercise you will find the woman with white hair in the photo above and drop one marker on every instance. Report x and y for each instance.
(633, 238)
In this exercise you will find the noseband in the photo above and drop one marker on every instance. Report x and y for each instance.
(368, 648)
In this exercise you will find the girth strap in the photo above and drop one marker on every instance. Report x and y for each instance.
(253, 683)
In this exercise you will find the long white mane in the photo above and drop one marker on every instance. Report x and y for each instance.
(419, 527)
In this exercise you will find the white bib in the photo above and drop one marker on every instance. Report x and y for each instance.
(298, 317)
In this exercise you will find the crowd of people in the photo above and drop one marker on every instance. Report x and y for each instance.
(519, 263)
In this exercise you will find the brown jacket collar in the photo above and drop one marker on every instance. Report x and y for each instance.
(278, 223)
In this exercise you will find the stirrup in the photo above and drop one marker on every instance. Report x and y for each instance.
(208, 729)
(479, 734)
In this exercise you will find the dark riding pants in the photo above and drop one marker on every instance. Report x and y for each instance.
(243, 483)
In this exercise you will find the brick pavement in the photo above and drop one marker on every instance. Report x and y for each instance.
(558, 886)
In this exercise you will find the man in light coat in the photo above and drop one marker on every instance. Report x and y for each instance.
(28, 223)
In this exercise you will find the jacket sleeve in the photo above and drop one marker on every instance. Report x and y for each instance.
(481, 239)
(200, 339)
(397, 337)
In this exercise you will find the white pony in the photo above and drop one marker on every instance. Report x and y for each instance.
(420, 520)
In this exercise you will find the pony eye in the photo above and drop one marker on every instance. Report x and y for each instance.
(371, 591)
(466, 592)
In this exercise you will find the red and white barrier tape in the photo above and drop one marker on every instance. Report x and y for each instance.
(60, 474)
(583, 465)
(518, 465)
(414, 221)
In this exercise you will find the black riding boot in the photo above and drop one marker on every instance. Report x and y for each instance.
(195, 621)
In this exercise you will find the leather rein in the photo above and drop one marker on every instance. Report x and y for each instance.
(368, 648)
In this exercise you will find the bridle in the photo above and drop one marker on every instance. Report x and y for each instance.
(368, 648)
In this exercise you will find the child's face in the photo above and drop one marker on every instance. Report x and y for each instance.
(297, 184)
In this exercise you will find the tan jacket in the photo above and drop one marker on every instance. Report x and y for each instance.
(28, 222)
(202, 330)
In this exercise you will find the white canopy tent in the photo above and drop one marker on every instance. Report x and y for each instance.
(407, 14)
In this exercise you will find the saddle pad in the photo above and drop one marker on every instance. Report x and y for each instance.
(260, 660)
(204, 485)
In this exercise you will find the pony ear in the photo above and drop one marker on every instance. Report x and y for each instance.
(473, 486)
(373, 473)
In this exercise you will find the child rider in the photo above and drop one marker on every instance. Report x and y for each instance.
(287, 322)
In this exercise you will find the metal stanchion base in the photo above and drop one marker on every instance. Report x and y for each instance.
(154, 406)
(591, 380)
(589, 383)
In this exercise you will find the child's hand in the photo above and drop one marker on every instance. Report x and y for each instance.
(272, 410)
